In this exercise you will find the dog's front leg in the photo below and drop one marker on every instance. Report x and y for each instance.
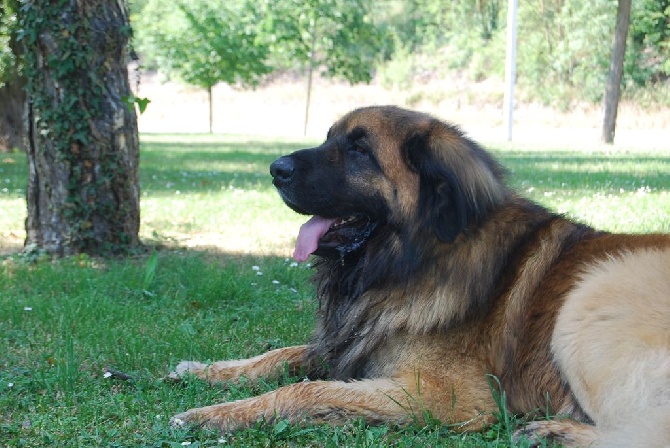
(376, 401)
(400, 400)
(268, 365)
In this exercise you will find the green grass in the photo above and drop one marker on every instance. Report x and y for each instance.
(63, 322)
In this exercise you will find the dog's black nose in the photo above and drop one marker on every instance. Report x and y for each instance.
(282, 170)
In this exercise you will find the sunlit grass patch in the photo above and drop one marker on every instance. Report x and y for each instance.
(623, 192)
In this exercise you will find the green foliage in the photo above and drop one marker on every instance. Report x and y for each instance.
(563, 46)
(564, 49)
(131, 101)
(334, 35)
(203, 43)
(648, 52)
(399, 71)
(9, 65)
(432, 24)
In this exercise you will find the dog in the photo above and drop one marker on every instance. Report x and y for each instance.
(433, 276)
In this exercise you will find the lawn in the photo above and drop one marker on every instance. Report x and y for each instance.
(216, 282)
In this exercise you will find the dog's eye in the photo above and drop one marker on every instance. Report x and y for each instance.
(359, 147)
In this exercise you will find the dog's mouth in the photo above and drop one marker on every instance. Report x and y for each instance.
(331, 237)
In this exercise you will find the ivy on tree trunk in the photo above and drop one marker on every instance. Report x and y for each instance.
(83, 147)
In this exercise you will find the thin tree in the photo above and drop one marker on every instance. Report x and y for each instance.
(205, 43)
(336, 36)
(83, 148)
(613, 89)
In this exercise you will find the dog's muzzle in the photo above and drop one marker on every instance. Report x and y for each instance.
(282, 171)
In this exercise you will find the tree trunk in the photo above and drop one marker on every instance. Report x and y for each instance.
(12, 91)
(211, 109)
(12, 100)
(613, 89)
(83, 147)
(310, 73)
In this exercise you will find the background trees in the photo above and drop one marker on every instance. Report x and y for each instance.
(336, 37)
(563, 51)
(203, 43)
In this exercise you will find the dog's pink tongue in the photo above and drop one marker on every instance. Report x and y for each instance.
(309, 235)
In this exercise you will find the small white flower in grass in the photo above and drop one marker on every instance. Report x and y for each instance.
(10, 385)
(275, 282)
(294, 264)
(27, 308)
(187, 443)
(222, 440)
(107, 375)
(259, 273)
(256, 268)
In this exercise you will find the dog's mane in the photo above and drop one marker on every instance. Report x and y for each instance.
(406, 279)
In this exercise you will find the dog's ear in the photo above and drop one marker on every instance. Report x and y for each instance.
(451, 194)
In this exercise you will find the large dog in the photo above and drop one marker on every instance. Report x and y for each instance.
(432, 275)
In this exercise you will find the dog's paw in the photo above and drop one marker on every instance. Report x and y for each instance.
(185, 368)
(218, 418)
(533, 433)
(568, 433)
(185, 419)
(178, 421)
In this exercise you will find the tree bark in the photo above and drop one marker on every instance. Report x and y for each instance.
(210, 99)
(310, 73)
(613, 89)
(12, 92)
(12, 100)
(83, 146)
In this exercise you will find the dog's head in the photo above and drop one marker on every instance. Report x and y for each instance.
(386, 167)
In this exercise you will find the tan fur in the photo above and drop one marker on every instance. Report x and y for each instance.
(269, 365)
(612, 339)
(463, 279)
